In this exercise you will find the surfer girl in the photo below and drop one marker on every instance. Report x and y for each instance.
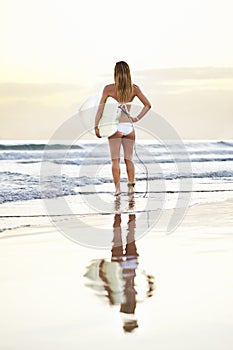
(123, 91)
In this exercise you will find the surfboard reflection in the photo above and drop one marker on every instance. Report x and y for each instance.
(115, 278)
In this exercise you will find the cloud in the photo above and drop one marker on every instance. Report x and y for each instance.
(185, 79)
(21, 90)
(187, 73)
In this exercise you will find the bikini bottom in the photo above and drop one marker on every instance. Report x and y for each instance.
(125, 128)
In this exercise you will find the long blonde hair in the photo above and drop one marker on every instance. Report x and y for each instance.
(123, 82)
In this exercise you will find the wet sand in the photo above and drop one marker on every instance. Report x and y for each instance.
(53, 295)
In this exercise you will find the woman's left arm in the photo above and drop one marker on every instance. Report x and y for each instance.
(100, 110)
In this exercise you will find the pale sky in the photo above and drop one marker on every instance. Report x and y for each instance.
(56, 53)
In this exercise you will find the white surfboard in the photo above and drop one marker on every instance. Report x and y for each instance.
(110, 118)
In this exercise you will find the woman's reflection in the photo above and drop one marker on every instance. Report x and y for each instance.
(117, 277)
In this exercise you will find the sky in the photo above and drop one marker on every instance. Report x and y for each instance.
(57, 53)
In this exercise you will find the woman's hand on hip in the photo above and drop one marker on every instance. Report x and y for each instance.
(135, 119)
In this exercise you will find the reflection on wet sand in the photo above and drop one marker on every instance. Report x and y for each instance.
(116, 278)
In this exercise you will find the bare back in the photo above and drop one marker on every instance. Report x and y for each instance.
(110, 91)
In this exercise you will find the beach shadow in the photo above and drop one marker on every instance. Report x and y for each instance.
(115, 279)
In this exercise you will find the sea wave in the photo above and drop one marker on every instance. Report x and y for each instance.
(15, 186)
(37, 147)
(20, 178)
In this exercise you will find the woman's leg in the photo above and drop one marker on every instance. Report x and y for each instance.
(128, 147)
(115, 146)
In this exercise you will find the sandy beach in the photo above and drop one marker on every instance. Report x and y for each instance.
(183, 290)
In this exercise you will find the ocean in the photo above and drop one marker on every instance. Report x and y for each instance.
(204, 174)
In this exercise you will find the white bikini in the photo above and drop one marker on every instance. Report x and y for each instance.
(125, 128)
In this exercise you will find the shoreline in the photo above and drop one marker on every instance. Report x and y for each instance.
(38, 219)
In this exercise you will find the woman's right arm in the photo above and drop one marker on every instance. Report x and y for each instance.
(144, 100)
(100, 110)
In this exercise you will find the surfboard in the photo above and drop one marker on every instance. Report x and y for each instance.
(110, 118)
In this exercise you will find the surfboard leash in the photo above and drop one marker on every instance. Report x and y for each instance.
(124, 110)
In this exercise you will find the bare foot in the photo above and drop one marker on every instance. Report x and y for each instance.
(131, 190)
(118, 192)
(131, 187)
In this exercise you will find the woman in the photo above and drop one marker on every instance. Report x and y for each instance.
(123, 91)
